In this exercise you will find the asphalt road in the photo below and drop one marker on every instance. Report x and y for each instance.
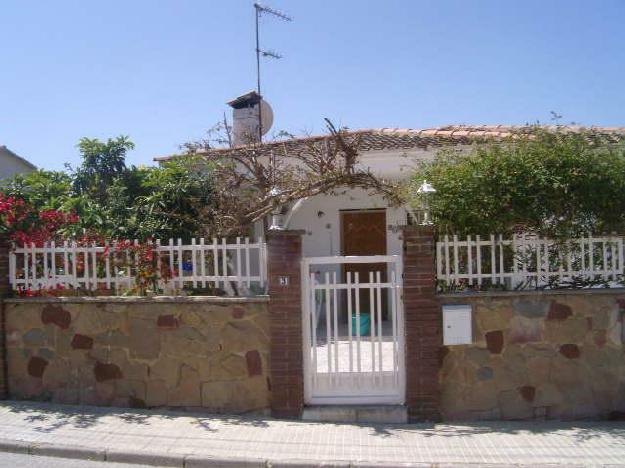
(13, 460)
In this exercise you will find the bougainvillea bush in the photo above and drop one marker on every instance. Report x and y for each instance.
(103, 202)
(22, 224)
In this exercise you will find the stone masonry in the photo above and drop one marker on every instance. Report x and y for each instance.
(285, 312)
(195, 352)
(423, 324)
(538, 355)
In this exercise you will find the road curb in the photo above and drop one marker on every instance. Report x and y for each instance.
(144, 458)
(198, 461)
(14, 446)
(93, 454)
(66, 451)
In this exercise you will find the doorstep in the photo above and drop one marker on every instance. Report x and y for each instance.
(382, 414)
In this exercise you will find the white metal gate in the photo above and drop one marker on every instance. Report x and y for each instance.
(353, 331)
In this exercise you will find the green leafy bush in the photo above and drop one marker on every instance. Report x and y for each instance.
(556, 182)
(117, 201)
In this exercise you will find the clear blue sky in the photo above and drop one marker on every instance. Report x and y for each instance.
(161, 71)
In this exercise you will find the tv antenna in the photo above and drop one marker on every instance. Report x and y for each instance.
(260, 10)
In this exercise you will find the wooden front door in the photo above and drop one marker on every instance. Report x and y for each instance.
(363, 232)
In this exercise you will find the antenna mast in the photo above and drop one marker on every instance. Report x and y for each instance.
(260, 9)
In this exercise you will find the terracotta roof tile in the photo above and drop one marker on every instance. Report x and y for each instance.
(407, 138)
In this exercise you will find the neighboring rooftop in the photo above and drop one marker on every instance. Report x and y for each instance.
(6, 151)
(379, 139)
(12, 164)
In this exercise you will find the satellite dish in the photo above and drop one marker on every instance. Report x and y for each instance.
(266, 116)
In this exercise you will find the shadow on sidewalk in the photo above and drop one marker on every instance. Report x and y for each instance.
(579, 430)
(48, 417)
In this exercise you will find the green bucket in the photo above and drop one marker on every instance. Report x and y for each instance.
(365, 324)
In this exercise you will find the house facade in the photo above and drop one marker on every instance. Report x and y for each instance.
(374, 332)
(332, 222)
(343, 309)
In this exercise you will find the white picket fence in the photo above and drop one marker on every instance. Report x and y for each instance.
(527, 261)
(238, 268)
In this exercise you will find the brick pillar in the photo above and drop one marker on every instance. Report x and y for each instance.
(285, 316)
(5, 290)
(423, 324)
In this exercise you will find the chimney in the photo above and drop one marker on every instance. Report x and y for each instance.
(245, 110)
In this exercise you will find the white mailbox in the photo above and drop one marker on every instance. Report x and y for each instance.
(457, 328)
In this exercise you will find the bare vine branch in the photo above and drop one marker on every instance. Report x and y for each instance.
(254, 180)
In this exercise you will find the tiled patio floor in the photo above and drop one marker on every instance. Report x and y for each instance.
(369, 355)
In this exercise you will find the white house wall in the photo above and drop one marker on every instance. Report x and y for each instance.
(394, 164)
(391, 164)
(320, 219)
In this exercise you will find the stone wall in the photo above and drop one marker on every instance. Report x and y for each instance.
(203, 352)
(538, 355)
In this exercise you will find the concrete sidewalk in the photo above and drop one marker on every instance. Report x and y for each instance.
(193, 439)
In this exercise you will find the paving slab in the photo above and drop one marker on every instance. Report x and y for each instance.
(164, 438)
